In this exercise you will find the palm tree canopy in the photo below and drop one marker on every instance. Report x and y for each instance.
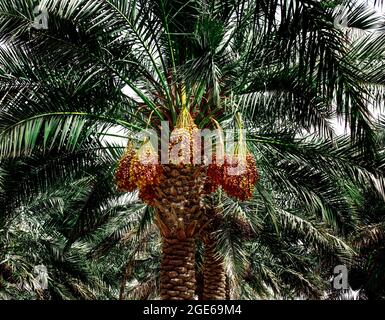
(282, 64)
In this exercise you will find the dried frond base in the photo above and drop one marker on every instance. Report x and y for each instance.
(178, 200)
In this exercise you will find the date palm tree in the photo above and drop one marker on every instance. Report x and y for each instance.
(359, 19)
(183, 63)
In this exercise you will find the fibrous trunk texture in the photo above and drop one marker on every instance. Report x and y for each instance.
(178, 207)
(228, 288)
(214, 275)
(199, 284)
(177, 276)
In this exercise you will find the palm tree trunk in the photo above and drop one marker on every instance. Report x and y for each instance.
(177, 276)
(216, 284)
(214, 275)
(178, 207)
(228, 297)
(199, 284)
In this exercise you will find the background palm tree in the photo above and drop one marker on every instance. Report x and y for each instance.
(75, 226)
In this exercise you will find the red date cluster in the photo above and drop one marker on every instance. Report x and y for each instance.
(240, 177)
(215, 172)
(139, 170)
(236, 175)
(123, 179)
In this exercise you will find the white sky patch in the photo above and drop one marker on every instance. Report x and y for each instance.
(115, 135)
(129, 92)
(339, 127)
